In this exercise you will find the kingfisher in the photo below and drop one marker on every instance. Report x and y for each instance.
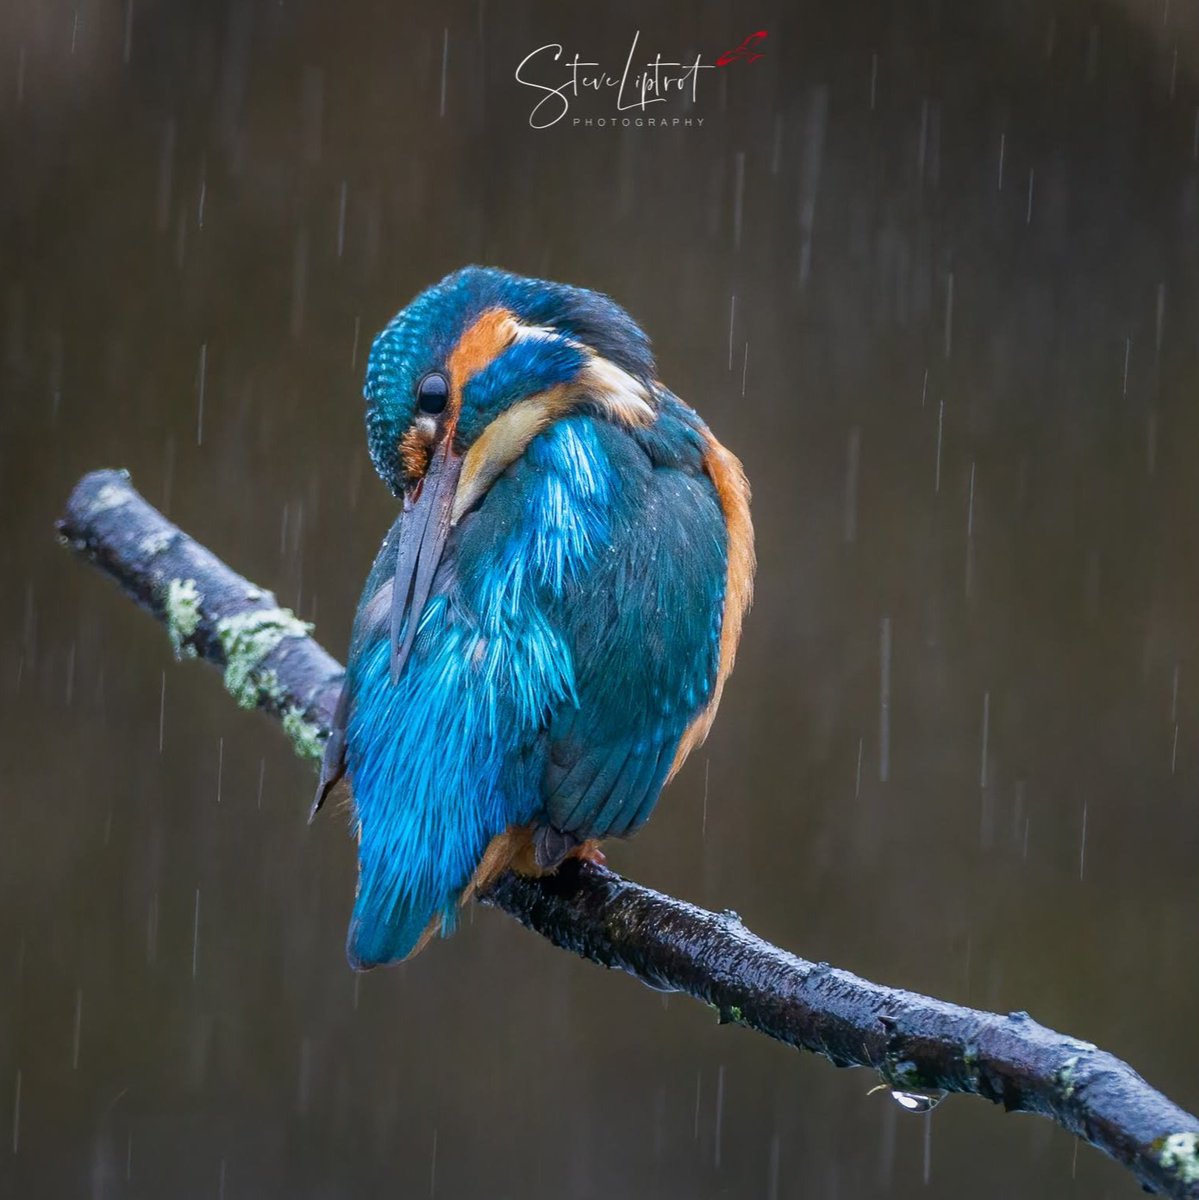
(547, 629)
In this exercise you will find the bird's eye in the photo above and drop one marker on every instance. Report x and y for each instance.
(432, 392)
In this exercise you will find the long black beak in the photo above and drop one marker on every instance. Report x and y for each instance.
(423, 531)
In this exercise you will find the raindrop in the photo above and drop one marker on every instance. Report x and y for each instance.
(1028, 214)
(873, 80)
(853, 454)
(732, 319)
(940, 435)
(220, 766)
(1002, 150)
(162, 710)
(261, 777)
(128, 31)
(1159, 325)
(152, 929)
(196, 934)
(744, 370)
(1082, 846)
(29, 634)
(354, 348)
(738, 196)
(970, 535)
(922, 147)
(16, 1114)
(78, 1028)
(201, 378)
(445, 62)
(341, 220)
(813, 155)
(918, 1102)
(772, 1182)
(719, 1111)
(884, 700)
(982, 770)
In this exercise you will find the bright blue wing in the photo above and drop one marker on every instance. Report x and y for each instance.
(643, 624)
(571, 637)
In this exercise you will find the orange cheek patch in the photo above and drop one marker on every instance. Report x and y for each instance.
(491, 334)
(414, 454)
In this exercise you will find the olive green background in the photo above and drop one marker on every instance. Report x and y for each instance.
(181, 296)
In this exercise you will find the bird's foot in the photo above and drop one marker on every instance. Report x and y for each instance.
(589, 851)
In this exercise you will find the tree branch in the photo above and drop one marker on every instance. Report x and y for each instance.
(912, 1041)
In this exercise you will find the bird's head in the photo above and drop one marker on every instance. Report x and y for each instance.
(464, 378)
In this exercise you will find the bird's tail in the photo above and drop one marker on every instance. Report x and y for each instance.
(378, 937)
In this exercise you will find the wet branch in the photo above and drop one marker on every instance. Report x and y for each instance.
(914, 1042)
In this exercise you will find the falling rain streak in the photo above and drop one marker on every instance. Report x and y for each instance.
(853, 456)
(884, 700)
(738, 196)
(201, 382)
(940, 433)
(445, 66)
(78, 1029)
(196, 934)
(970, 535)
(949, 315)
(1082, 844)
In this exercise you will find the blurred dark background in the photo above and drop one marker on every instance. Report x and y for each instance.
(930, 268)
